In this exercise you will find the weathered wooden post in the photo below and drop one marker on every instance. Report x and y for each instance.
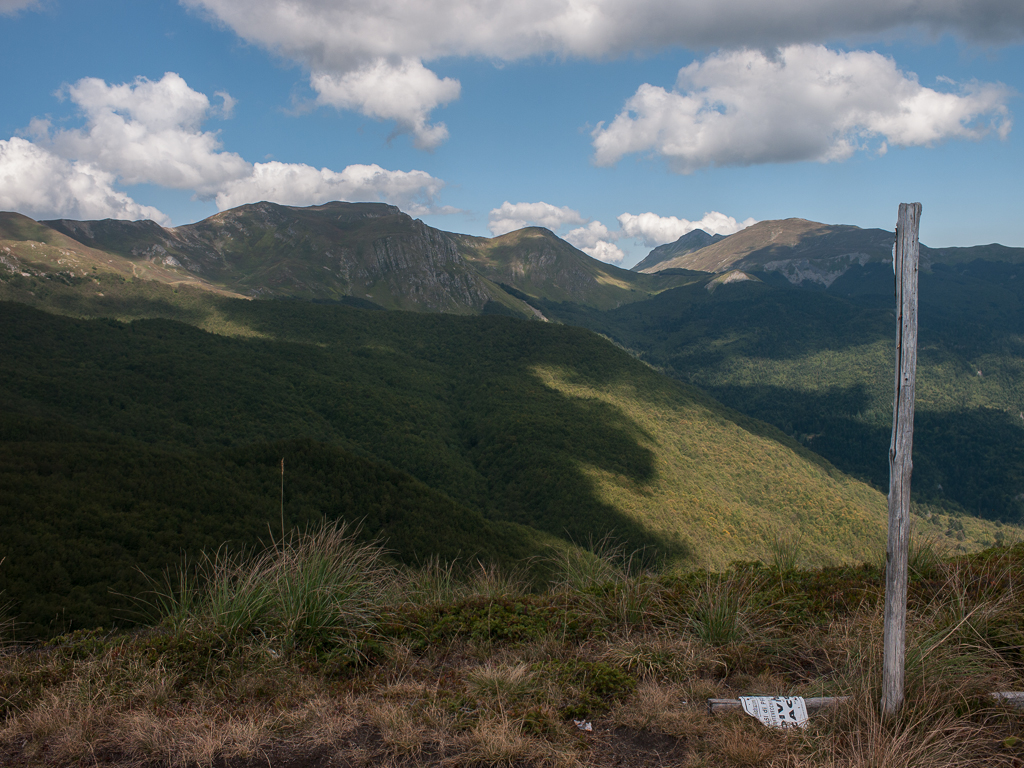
(900, 464)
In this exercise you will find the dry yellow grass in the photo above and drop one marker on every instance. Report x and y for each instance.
(131, 701)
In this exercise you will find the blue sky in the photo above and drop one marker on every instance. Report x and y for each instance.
(619, 125)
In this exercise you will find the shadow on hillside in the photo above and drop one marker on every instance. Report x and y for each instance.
(452, 401)
(973, 459)
(976, 308)
(91, 526)
(499, 439)
(689, 325)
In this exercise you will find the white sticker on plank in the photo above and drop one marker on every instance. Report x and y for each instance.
(776, 711)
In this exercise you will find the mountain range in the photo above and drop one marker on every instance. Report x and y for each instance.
(363, 251)
(374, 252)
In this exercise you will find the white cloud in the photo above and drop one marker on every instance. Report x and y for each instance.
(596, 241)
(300, 185)
(808, 103)
(656, 230)
(13, 6)
(404, 92)
(331, 36)
(512, 216)
(150, 132)
(38, 183)
(348, 45)
(147, 132)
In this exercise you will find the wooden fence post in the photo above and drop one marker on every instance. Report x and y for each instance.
(900, 464)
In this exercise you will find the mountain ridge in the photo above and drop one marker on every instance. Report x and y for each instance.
(374, 252)
(369, 250)
(803, 251)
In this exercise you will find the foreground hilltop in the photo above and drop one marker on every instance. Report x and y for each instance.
(611, 667)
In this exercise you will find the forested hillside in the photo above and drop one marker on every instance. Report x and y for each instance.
(127, 445)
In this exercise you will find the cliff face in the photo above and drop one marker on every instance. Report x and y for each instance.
(423, 266)
(366, 250)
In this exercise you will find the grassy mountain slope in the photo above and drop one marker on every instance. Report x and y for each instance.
(544, 427)
(535, 262)
(32, 249)
(819, 366)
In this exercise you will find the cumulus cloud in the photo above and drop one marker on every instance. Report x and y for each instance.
(150, 132)
(596, 241)
(512, 216)
(340, 37)
(40, 184)
(807, 103)
(655, 230)
(298, 184)
(404, 92)
(349, 46)
(147, 132)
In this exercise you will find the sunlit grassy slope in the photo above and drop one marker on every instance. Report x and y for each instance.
(819, 366)
(730, 485)
(31, 249)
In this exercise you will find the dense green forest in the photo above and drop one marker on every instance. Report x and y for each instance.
(89, 522)
(129, 447)
(819, 366)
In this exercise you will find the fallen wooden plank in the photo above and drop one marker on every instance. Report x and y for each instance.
(1013, 698)
(716, 706)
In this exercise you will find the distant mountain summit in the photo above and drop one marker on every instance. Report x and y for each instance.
(691, 241)
(536, 262)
